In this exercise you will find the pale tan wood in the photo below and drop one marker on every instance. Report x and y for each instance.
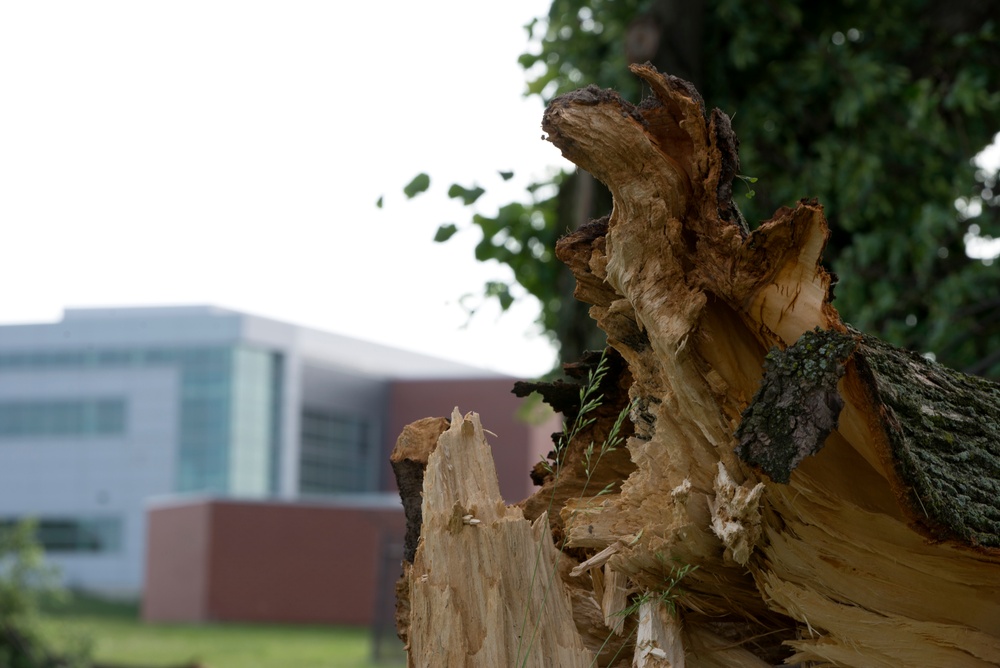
(659, 643)
(716, 562)
(614, 599)
(483, 586)
(693, 308)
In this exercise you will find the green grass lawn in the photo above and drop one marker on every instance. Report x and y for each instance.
(119, 637)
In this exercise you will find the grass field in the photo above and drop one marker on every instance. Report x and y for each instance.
(119, 637)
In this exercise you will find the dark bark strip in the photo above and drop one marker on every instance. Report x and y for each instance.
(797, 405)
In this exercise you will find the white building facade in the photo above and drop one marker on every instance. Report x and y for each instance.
(110, 407)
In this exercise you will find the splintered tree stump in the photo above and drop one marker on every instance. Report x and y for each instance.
(483, 588)
(796, 492)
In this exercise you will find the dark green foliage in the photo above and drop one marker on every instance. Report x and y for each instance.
(24, 582)
(501, 291)
(875, 108)
(419, 184)
(467, 195)
(445, 232)
(523, 237)
(797, 404)
(582, 42)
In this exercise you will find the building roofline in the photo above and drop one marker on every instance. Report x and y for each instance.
(204, 324)
(72, 313)
(366, 500)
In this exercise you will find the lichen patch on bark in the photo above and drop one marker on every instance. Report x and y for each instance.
(797, 405)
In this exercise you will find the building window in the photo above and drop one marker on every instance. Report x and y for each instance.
(62, 417)
(336, 456)
(228, 423)
(251, 454)
(69, 535)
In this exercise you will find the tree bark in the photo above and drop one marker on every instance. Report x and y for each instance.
(834, 501)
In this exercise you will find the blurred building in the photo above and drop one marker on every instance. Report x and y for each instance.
(113, 410)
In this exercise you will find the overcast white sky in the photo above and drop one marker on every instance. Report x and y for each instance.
(231, 153)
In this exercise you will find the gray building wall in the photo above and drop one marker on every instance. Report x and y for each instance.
(341, 393)
(94, 477)
(174, 439)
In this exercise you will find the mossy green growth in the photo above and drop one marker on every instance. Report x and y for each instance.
(943, 428)
(797, 404)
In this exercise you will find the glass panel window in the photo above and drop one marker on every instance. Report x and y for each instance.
(76, 534)
(252, 417)
(109, 416)
(228, 426)
(62, 417)
(205, 429)
(335, 456)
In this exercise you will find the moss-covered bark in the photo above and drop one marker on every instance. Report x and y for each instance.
(797, 405)
(943, 429)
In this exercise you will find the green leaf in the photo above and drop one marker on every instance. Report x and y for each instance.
(445, 232)
(378, 203)
(501, 291)
(747, 180)
(506, 176)
(852, 125)
(419, 184)
(467, 195)
(484, 251)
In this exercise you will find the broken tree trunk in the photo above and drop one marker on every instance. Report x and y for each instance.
(480, 566)
(834, 501)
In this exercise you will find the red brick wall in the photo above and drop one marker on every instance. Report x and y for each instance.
(276, 562)
(176, 564)
(516, 446)
(288, 562)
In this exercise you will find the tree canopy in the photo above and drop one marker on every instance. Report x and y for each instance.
(877, 109)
